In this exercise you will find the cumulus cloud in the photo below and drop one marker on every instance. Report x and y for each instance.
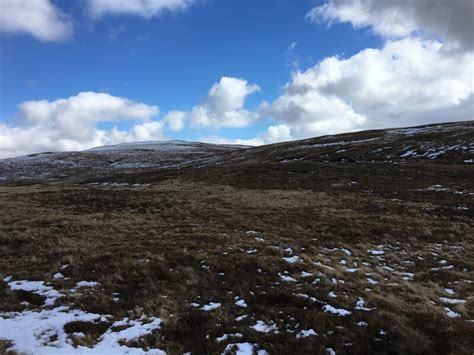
(71, 124)
(175, 120)
(277, 133)
(452, 20)
(39, 18)
(408, 81)
(423, 73)
(222, 107)
(142, 8)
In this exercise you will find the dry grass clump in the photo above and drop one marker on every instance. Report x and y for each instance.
(5, 347)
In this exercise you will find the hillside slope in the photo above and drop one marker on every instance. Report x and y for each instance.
(451, 143)
(350, 244)
(52, 166)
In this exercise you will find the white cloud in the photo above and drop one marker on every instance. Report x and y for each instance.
(39, 18)
(175, 120)
(71, 124)
(147, 131)
(410, 81)
(224, 105)
(278, 133)
(450, 19)
(142, 8)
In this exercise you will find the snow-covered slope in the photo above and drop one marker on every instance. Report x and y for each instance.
(162, 146)
(107, 159)
(447, 143)
(450, 143)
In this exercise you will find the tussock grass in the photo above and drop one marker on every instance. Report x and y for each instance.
(186, 240)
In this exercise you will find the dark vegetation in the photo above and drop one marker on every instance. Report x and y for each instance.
(219, 228)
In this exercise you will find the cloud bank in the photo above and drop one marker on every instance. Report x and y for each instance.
(39, 18)
(451, 20)
(71, 124)
(45, 21)
(423, 73)
(406, 82)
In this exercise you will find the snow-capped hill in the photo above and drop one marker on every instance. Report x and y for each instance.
(449, 143)
(107, 159)
(173, 146)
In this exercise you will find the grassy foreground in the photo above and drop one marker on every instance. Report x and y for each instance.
(285, 251)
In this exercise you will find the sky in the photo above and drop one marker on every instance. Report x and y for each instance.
(85, 73)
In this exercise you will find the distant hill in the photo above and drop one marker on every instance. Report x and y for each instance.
(449, 143)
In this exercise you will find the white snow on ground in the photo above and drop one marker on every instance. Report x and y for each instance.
(451, 314)
(210, 306)
(306, 333)
(360, 305)
(451, 300)
(371, 281)
(174, 145)
(306, 274)
(42, 331)
(287, 278)
(227, 336)
(82, 284)
(330, 351)
(293, 259)
(312, 299)
(449, 291)
(240, 303)
(407, 276)
(243, 349)
(137, 328)
(262, 327)
(318, 263)
(338, 311)
(376, 252)
(38, 287)
(330, 144)
(362, 324)
(352, 270)
(346, 251)
(58, 276)
(31, 332)
(409, 153)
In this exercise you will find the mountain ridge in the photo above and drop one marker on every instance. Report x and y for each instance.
(451, 143)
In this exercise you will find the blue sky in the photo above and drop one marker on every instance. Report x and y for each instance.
(171, 59)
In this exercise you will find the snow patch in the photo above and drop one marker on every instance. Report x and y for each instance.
(210, 306)
(337, 311)
(306, 333)
(262, 327)
(293, 259)
(37, 287)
